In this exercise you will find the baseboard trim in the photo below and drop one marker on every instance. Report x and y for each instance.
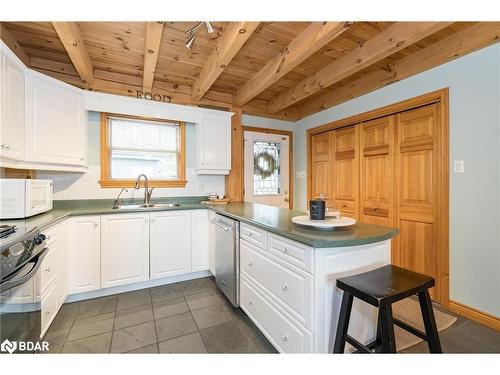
(475, 314)
(136, 286)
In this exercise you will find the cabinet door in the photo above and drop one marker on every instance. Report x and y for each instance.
(55, 123)
(321, 167)
(214, 145)
(377, 172)
(199, 241)
(12, 112)
(124, 249)
(345, 170)
(170, 243)
(417, 165)
(85, 250)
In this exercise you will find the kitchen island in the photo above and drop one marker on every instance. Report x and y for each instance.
(287, 272)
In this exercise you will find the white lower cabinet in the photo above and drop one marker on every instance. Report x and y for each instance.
(286, 335)
(290, 287)
(85, 254)
(124, 249)
(52, 278)
(199, 241)
(170, 243)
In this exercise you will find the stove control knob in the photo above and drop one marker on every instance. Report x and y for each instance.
(43, 236)
(38, 240)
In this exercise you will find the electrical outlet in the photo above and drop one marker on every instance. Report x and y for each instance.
(300, 174)
(458, 166)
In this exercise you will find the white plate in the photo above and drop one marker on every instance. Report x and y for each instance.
(328, 223)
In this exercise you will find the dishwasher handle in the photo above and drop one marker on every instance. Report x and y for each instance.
(227, 229)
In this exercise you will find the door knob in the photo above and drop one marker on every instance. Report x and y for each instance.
(287, 200)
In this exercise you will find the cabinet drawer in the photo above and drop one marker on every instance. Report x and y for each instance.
(293, 252)
(50, 266)
(253, 235)
(49, 306)
(286, 336)
(291, 287)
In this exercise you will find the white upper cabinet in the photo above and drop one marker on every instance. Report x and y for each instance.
(199, 241)
(55, 122)
(213, 144)
(11, 107)
(124, 249)
(170, 243)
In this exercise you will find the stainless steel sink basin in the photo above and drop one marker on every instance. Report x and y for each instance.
(143, 206)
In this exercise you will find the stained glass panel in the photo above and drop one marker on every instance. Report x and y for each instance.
(267, 168)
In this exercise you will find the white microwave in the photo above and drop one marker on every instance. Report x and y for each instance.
(24, 197)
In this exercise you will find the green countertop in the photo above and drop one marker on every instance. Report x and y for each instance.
(272, 219)
(279, 221)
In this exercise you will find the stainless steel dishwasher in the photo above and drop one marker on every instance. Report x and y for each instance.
(227, 257)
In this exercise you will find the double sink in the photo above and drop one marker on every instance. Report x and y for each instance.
(148, 206)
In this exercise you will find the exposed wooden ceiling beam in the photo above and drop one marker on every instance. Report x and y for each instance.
(15, 47)
(231, 41)
(388, 42)
(128, 85)
(314, 37)
(72, 39)
(154, 31)
(471, 39)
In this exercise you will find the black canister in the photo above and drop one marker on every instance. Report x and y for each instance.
(317, 209)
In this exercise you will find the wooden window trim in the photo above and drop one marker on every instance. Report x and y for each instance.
(106, 182)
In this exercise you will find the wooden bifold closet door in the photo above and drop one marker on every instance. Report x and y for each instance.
(377, 172)
(345, 170)
(417, 168)
(392, 171)
(321, 167)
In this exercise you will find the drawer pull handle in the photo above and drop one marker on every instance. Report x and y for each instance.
(250, 302)
(250, 264)
(285, 250)
(284, 288)
(47, 269)
(284, 338)
(47, 312)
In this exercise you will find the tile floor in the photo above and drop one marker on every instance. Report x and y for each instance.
(194, 317)
(187, 317)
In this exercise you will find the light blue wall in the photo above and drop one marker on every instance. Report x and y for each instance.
(474, 84)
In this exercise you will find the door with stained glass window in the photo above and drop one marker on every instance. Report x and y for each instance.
(267, 169)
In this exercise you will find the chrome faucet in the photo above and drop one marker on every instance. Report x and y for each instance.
(116, 202)
(147, 191)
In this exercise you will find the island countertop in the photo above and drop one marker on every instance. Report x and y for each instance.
(269, 218)
(279, 221)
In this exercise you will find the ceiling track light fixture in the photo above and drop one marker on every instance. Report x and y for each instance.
(191, 32)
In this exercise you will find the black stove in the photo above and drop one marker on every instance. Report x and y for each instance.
(6, 230)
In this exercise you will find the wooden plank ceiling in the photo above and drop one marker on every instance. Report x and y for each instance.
(285, 70)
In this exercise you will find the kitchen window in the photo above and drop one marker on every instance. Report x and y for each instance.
(131, 146)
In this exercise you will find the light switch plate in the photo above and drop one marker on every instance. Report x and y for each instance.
(458, 166)
(300, 174)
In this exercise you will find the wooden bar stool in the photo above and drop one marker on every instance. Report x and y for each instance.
(381, 288)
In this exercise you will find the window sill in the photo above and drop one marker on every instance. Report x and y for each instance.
(151, 184)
